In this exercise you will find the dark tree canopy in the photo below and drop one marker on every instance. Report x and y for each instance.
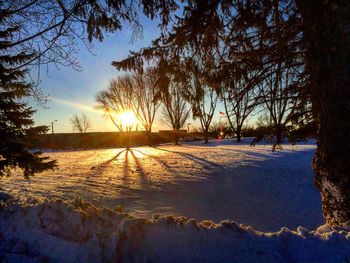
(16, 125)
(309, 39)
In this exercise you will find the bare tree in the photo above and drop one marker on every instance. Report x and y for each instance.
(203, 108)
(145, 102)
(199, 93)
(134, 93)
(239, 102)
(277, 100)
(205, 111)
(175, 112)
(81, 123)
(116, 100)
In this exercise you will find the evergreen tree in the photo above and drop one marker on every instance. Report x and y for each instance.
(16, 124)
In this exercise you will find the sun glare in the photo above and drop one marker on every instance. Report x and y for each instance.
(127, 118)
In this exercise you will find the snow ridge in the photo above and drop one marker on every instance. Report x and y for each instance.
(77, 231)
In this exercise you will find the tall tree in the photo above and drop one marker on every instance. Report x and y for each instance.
(16, 125)
(278, 101)
(203, 108)
(239, 102)
(198, 92)
(175, 111)
(145, 100)
(326, 38)
(116, 100)
(117, 103)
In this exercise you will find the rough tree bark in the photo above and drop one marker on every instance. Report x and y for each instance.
(327, 40)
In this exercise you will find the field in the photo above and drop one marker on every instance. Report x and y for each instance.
(222, 180)
(221, 202)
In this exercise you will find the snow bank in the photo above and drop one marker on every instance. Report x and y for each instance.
(77, 231)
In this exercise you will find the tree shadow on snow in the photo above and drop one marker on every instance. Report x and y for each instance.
(201, 161)
(267, 193)
(128, 174)
(265, 190)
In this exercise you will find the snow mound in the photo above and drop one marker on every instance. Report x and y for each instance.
(77, 231)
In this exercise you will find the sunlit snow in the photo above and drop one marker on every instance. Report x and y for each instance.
(223, 180)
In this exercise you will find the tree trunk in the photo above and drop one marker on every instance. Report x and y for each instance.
(149, 138)
(206, 136)
(279, 131)
(126, 136)
(176, 137)
(238, 134)
(327, 40)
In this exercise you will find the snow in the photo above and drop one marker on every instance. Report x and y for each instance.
(77, 231)
(223, 180)
(250, 204)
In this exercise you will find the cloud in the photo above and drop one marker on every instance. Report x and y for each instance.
(76, 105)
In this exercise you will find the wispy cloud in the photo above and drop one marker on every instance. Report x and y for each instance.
(76, 105)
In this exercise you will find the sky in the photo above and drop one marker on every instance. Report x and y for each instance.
(73, 92)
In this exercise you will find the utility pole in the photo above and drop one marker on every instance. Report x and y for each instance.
(53, 142)
(52, 126)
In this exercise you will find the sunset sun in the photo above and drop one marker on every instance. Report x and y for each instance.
(127, 118)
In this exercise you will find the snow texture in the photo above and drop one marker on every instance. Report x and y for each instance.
(77, 231)
(222, 180)
(43, 220)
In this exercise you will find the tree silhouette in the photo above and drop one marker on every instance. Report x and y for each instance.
(198, 91)
(81, 124)
(239, 103)
(175, 112)
(17, 129)
(145, 100)
(117, 99)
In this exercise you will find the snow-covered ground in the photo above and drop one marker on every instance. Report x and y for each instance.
(223, 180)
(242, 185)
(79, 232)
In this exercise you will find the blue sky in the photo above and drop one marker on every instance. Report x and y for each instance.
(73, 92)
